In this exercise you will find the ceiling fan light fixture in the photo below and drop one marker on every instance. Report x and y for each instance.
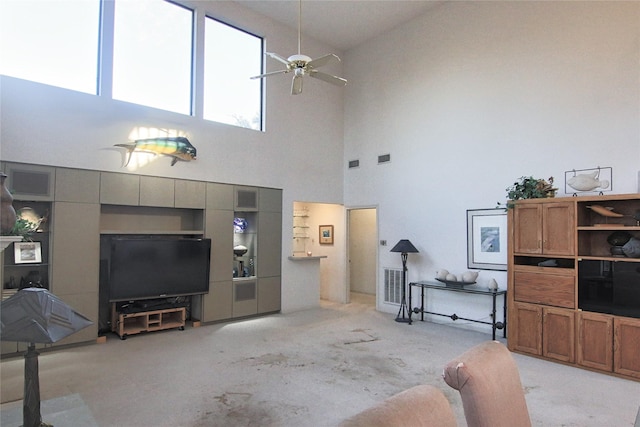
(304, 65)
(298, 57)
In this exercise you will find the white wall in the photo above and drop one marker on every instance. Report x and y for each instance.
(471, 97)
(466, 99)
(301, 147)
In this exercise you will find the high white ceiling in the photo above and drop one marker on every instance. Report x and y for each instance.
(342, 24)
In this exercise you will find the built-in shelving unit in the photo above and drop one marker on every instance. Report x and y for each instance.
(245, 265)
(300, 230)
(25, 273)
(86, 208)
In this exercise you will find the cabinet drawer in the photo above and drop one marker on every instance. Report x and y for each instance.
(550, 289)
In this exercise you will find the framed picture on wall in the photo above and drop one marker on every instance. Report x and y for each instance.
(326, 234)
(27, 252)
(487, 239)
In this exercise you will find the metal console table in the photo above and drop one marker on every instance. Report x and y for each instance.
(467, 290)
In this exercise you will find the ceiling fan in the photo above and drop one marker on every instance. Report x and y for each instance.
(302, 65)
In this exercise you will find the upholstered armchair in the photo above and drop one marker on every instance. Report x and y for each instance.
(419, 406)
(488, 380)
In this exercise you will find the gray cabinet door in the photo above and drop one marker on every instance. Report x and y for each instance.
(217, 304)
(219, 228)
(155, 191)
(75, 261)
(220, 196)
(269, 244)
(269, 294)
(119, 189)
(270, 200)
(76, 185)
(190, 194)
(76, 247)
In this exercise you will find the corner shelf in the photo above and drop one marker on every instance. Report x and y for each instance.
(300, 230)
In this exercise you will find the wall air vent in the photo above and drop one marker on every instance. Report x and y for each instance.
(30, 182)
(246, 199)
(245, 291)
(384, 158)
(392, 285)
(354, 164)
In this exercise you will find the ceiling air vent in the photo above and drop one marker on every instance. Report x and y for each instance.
(354, 164)
(384, 158)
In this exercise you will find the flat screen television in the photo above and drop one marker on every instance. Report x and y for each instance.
(155, 267)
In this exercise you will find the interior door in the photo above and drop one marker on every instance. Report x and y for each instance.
(363, 246)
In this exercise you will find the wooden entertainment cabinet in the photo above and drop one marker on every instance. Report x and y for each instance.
(125, 324)
(552, 242)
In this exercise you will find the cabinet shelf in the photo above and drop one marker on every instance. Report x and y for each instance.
(161, 232)
(27, 265)
(604, 258)
(117, 219)
(609, 227)
(540, 263)
(301, 230)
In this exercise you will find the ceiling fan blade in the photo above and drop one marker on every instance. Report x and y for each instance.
(296, 85)
(270, 74)
(334, 80)
(323, 60)
(277, 57)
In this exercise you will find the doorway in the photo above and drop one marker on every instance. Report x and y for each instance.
(363, 254)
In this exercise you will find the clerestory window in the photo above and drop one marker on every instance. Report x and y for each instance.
(152, 54)
(58, 43)
(51, 42)
(231, 57)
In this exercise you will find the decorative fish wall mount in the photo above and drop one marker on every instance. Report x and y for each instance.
(178, 147)
(584, 180)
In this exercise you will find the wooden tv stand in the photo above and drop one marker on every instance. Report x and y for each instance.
(125, 324)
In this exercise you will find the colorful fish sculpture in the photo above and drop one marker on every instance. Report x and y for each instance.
(177, 147)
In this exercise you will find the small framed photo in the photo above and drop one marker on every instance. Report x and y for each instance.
(487, 239)
(326, 234)
(27, 252)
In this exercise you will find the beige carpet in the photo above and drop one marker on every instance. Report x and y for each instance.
(310, 368)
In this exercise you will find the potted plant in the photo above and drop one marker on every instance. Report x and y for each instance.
(528, 187)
